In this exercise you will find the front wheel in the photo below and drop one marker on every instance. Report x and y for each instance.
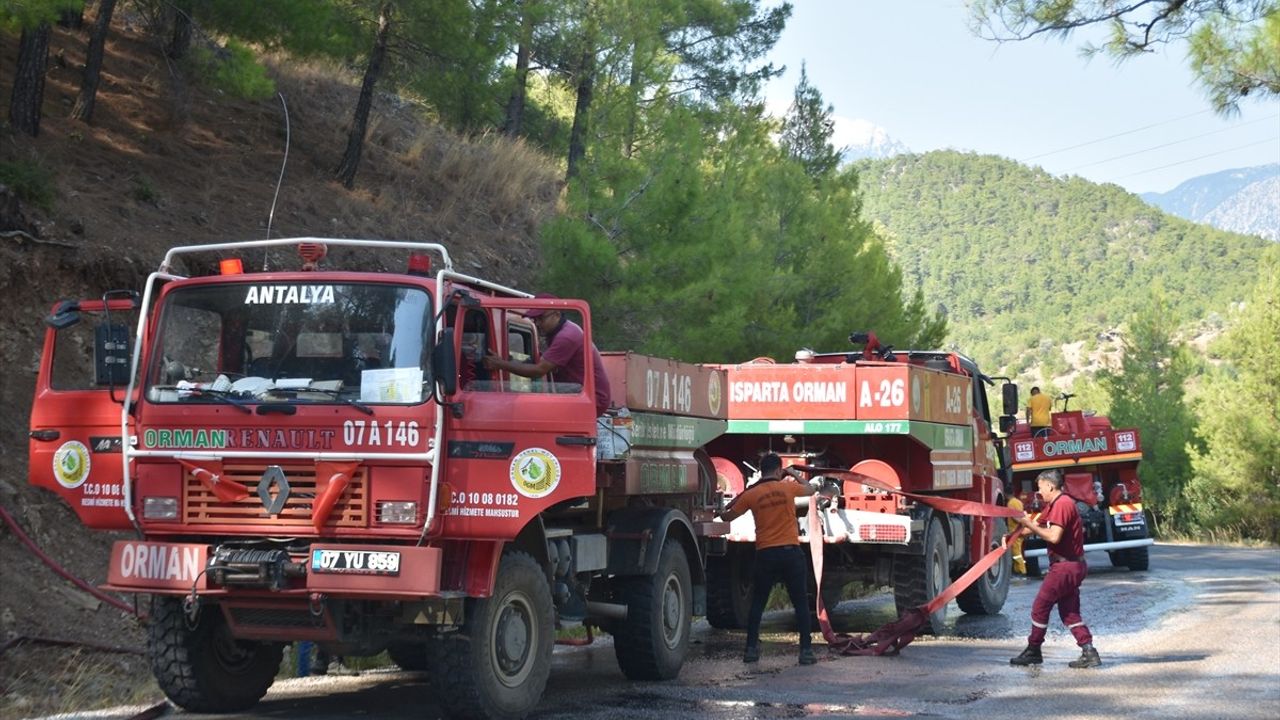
(201, 666)
(652, 642)
(1136, 559)
(496, 667)
(917, 579)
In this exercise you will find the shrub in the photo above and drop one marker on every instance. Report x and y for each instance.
(30, 182)
(234, 70)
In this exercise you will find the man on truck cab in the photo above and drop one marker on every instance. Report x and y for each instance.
(1060, 527)
(564, 356)
(771, 502)
(1039, 412)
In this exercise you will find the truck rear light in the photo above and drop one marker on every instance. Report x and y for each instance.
(397, 512)
(160, 508)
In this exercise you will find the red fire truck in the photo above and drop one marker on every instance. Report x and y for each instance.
(322, 455)
(915, 420)
(1100, 469)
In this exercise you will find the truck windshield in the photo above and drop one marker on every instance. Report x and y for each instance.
(356, 344)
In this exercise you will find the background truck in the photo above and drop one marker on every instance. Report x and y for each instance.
(1100, 468)
(915, 420)
(321, 455)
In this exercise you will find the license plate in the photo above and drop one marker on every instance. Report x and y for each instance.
(355, 562)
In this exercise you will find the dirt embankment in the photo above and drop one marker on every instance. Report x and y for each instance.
(168, 163)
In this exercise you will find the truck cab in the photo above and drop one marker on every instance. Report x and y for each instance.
(1099, 463)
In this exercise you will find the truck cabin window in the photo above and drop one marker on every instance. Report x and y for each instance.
(293, 342)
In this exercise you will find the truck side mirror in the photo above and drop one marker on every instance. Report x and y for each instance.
(64, 316)
(444, 366)
(1009, 393)
(1008, 423)
(111, 354)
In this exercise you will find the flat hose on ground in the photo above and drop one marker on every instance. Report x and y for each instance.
(891, 638)
(26, 540)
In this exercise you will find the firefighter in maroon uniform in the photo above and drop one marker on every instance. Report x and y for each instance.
(1059, 526)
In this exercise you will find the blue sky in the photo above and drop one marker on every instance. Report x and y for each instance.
(913, 68)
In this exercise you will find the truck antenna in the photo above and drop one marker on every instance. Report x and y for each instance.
(279, 181)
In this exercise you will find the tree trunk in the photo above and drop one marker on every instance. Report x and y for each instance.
(346, 171)
(83, 109)
(28, 80)
(581, 109)
(512, 125)
(71, 19)
(180, 42)
(633, 109)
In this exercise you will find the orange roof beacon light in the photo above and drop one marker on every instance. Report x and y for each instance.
(419, 264)
(231, 266)
(312, 254)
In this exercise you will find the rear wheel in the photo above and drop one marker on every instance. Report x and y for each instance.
(652, 642)
(987, 594)
(496, 667)
(200, 666)
(729, 587)
(917, 579)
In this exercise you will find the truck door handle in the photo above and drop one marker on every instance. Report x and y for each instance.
(575, 440)
(45, 434)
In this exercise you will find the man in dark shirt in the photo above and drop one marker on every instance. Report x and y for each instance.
(771, 502)
(1060, 527)
(564, 355)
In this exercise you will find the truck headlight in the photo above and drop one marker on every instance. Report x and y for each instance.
(397, 512)
(160, 508)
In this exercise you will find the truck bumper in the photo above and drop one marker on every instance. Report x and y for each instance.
(857, 527)
(1119, 545)
(339, 570)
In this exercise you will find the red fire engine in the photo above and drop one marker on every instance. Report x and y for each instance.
(1100, 468)
(322, 455)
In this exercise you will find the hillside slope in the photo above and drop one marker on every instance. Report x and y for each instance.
(153, 172)
(1023, 261)
(1243, 200)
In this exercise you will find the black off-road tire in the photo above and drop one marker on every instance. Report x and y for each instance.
(200, 666)
(652, 642)
(729, 587)
(987, 594)
(1136, 559)
(497, 666)
(413, 656)
(917, 579)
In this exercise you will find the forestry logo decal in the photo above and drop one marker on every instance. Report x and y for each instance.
(714, 393)
(71, 464)
(535, 473)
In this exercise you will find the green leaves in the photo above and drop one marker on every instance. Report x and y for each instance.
(1234, 48)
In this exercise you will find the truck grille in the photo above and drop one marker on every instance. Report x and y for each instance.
(202, 507)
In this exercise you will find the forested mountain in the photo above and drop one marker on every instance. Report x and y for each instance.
(1022, 261)
(1243, 200)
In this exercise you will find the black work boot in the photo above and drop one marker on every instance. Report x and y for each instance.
(1029, 656)
(807, 657)
(1088, 658)
(752, 654)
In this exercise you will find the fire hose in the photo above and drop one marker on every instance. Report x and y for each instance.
(62, 572)
(891, 638)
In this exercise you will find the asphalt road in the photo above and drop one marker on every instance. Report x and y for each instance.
(1197, 636)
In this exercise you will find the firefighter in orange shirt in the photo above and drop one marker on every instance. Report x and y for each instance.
(771, 501)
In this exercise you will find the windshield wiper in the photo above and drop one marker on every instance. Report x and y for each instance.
(335, 394)
(223, 396)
